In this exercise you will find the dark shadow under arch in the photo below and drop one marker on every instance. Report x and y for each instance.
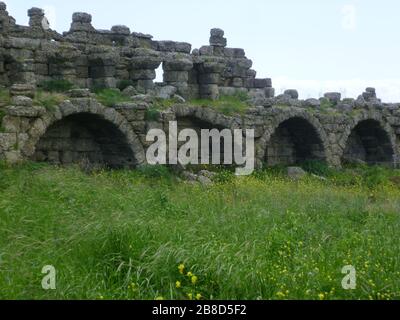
(85, 137)
(369, 143)
(294, 142)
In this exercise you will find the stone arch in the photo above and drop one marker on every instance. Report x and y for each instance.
(370, 140)
(84, 132)
(291, 138)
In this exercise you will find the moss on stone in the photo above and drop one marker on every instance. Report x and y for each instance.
(2, 115)
(5, 98)
(326, 104)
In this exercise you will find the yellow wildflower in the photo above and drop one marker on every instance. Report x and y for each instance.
(199, 296)
(190, 296)
(159, 298)
(321, 296)
(194, 279)
(189, 274)
(178, 284)
(181, 268)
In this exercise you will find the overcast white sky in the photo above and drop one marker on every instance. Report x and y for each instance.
(311, 45)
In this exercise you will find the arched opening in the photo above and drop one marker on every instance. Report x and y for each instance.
(369, 143)
(294, 142)
(85, 137)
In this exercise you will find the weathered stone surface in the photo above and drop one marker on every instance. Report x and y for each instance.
(79, 93)
(81, 17)
(165, 92)
(178, 65)
(27, 90)
(315, 103)
(262, 83)
(24, 111)
(21, 101)
(216, 32)
(120, 29)
(292, 93)
(129, 91)
(296, 173)
(333, 96)
(7, 141)
(176, 76)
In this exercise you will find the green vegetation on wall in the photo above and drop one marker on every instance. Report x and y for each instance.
(110, 97)
(227, 105)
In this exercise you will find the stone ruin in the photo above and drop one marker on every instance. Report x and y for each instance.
(90, 58)
(288, 131)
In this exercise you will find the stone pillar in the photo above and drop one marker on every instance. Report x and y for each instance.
(217, 41)
(102, 69)
(37, 19)
(209, 78)
(81, 27)
(176, 73)
(81, 21)
(5, 20)
(142, 71)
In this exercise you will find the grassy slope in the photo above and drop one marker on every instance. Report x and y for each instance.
(117, 235)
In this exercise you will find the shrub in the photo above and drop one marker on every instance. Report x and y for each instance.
(56, 85)
(2, 114)
(155, 172)
(48, 100)
(152, 114)
(326, 103)
(5, 98)
(110, 97)
(317, 167)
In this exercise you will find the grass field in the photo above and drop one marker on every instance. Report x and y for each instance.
(137, 235)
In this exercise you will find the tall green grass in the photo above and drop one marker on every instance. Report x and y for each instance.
(124, 235)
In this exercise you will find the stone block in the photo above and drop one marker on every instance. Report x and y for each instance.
(142, 74)
(176, 76)
(209, 78)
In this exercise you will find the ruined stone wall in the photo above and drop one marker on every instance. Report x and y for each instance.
(89, 58)
(287, 130)
(80, 127)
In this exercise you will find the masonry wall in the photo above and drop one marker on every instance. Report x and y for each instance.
(89, 58)
(287, 130)
(81, 127)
